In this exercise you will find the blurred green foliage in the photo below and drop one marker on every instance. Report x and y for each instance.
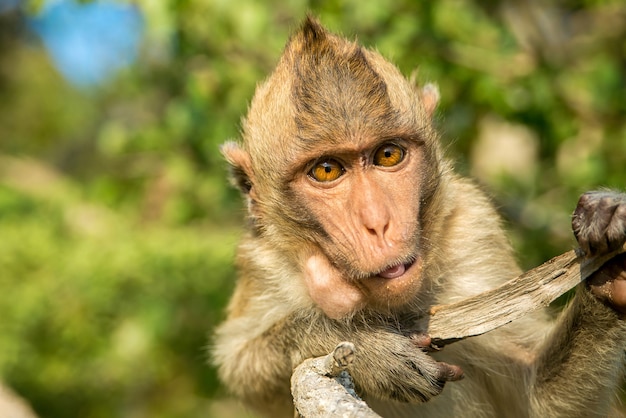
(117, 225)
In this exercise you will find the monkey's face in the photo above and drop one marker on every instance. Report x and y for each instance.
(339, 154)
(364, 197)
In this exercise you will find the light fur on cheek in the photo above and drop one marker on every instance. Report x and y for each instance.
(330, 292)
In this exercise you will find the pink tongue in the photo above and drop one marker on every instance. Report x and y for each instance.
(393, 272)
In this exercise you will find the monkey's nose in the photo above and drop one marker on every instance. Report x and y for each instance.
(375, 218)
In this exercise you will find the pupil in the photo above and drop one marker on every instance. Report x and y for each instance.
(387, 153)
(327, 168)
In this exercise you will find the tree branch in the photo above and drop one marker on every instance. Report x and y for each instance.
(321, 387)
(528, 292)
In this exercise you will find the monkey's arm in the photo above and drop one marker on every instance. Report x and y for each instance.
(580, 366)
(257, 366)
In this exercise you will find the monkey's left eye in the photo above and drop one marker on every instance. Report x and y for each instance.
(389, 155)
(326, 170)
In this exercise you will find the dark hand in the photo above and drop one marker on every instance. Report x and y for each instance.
(599, 224)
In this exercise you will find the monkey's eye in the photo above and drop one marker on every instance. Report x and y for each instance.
(388, 155)
(326, 170)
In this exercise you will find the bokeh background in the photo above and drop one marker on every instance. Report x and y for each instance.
(117, 224)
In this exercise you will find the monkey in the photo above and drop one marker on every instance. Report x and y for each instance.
(357, 224)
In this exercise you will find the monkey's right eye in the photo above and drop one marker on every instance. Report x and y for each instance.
(326, 170)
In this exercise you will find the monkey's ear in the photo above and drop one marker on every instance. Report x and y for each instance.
(240, 166)
(430, 98)
(241, 174)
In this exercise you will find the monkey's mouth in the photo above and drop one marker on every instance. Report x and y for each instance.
(394, 285)
(396, 271)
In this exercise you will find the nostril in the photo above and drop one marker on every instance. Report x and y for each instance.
(379, 231)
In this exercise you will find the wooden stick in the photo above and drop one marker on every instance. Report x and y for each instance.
(528, 292)
(321, 386)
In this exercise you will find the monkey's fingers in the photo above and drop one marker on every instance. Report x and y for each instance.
(444, 372)
(423, 342)
(609, 284)
(343, 354)
(449, 372)
(599, 222)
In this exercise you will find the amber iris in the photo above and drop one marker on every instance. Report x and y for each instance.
(388, 155)
(327, 170)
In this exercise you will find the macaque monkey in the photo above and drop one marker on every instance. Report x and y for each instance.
(358, 224)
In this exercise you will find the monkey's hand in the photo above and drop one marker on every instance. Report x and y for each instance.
(599, 224)
(393, 366)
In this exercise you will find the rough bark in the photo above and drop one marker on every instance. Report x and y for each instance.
(322, 387)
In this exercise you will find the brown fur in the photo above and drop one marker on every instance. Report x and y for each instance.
(330, 97)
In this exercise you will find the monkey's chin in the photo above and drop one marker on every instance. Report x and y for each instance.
(394, 286)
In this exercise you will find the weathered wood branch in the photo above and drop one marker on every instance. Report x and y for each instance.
(528, 292)
(321, 387)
